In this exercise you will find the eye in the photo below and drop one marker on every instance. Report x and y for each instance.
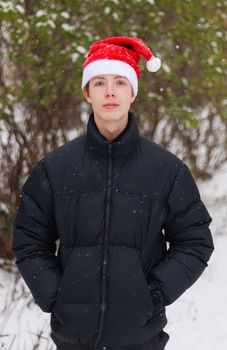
(121, 82)
(98, 83)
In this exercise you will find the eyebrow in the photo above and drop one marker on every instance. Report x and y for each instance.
(102, 77)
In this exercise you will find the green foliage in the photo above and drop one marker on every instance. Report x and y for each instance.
(43, 44)
(46, 43)
(49, 41)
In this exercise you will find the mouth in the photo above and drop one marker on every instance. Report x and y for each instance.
(110, 105)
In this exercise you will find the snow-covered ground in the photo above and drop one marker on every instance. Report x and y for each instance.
(197, 320)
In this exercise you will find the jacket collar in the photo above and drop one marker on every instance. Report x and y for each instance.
(122, 146)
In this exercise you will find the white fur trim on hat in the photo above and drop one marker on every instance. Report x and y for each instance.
(113, 67)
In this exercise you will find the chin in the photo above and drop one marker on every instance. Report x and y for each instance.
(111, 115)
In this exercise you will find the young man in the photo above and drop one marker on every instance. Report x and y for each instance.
(114, 199)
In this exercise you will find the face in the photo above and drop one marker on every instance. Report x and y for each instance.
(110, 97)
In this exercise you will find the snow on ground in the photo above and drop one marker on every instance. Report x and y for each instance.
(196, 320)
(22, 324)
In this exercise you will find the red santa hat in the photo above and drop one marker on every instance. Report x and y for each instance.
(118, 56)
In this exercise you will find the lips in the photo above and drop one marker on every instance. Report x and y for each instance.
(110, 105)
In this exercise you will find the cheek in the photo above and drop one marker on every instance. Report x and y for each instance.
(96, 96)
(129, 95)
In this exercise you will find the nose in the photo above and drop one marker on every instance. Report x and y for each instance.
(109, 91)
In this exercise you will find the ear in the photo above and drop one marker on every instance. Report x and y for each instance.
(86, 95)
(133, 97)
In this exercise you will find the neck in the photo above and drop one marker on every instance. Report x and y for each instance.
(110, 129)
(122, 146)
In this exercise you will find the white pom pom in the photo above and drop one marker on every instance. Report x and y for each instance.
(153, 64)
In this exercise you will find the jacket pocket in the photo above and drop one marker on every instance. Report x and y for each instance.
(80, 282)
(60, 286)
(156, 295)
(126, 280)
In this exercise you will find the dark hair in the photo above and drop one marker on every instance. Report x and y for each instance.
(87, 86)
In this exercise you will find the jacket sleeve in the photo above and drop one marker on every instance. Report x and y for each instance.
(34, 236)
(190, 241)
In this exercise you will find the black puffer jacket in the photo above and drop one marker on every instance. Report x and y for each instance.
(114, 206)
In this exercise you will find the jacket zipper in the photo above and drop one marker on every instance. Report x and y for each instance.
(105, 252)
